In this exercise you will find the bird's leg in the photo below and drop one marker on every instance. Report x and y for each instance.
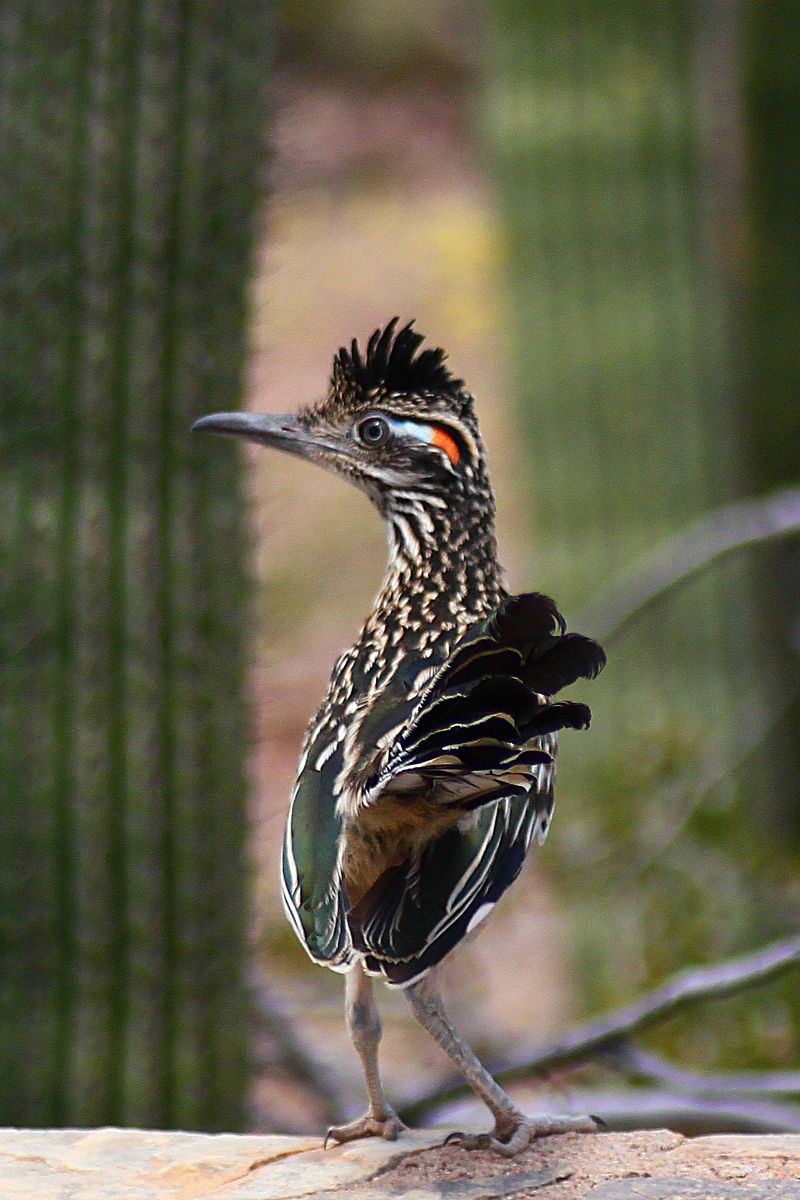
(364, 1026)
(513, 1131)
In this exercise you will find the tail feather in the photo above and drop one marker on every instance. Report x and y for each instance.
(493, 698)
(572, 657)
(565, 714)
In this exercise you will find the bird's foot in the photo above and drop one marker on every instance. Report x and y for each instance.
(387, 1126)
(513, 1137)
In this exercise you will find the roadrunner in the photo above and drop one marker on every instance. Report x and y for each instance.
(427, 771)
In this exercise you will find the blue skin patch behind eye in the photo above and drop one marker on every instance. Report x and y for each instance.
(423, 433)
(434, 434)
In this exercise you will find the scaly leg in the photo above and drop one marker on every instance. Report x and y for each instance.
(364, 1026)
(513, 1131)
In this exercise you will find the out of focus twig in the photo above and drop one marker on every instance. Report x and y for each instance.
(290, 1054)
(590, 1039)
(646, 1065)
(662, 1107)
(726, 531)
(659, 1108)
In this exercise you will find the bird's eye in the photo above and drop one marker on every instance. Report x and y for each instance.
(374, 431)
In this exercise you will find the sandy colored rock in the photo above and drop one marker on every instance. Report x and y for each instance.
(655, 1165)
(129, 1164)
(133, 1164)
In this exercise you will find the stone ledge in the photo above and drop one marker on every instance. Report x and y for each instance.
(131, 1164)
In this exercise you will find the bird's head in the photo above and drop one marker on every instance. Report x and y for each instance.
(394, 422)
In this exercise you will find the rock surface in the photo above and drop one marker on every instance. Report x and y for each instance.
(129, 1164)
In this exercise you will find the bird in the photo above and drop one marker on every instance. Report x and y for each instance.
(427, 772)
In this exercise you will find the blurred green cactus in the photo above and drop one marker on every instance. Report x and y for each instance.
(132, 160)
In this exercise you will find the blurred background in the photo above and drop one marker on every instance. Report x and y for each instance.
(592, 207)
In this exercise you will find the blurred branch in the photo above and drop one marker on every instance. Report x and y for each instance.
(646, 1065)
(683, 989)
(290, 1053)
(657, 1108)
(726, 531)
(662, 1107)
(592, 1038)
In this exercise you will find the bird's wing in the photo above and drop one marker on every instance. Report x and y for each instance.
(311, 861)
(480, 740)
(418, 912)
(311, 867)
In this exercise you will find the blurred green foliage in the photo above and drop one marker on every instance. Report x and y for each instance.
(132, 159)
(619, 195)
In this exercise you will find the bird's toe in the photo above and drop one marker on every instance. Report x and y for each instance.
(388, 1126)
(543, 1125)
(510, 1140)
(508, 1146)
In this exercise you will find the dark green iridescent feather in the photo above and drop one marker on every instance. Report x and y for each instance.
(312, 895)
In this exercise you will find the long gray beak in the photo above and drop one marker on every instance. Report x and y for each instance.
(254, 426)
(281, 430)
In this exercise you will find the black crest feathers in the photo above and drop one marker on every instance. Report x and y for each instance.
(392, 365)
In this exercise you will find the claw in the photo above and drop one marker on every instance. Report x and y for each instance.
(388, 1127)
(474, 1141)
(468, 1141)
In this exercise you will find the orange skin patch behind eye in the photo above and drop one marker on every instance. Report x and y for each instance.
(441, 438)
